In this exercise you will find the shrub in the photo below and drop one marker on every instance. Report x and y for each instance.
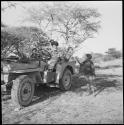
(108, 58)
(112, 52)
(20, 39)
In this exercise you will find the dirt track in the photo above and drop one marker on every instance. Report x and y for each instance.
(54, 106)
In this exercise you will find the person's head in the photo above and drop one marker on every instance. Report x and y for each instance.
(88, 56)
(34, 50)
(54, 44)
(70, 50)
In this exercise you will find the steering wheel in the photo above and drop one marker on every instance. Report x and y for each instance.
(44, 55)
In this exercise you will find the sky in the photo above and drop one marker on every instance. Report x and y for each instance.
(109, 36)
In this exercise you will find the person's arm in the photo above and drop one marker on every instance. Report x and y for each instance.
(32, 55)
(93, 68)
(77, 60)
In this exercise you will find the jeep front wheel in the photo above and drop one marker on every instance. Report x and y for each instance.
(22, 91)
(65, 82)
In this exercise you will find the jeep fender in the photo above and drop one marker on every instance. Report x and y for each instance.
(62, 69)
(36, 76)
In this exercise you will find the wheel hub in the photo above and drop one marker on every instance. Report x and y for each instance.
(66, 80)
(26, 91)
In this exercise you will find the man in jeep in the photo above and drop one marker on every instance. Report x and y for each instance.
(53, 63)
(34, 54)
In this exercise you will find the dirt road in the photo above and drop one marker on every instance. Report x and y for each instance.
(52, 106)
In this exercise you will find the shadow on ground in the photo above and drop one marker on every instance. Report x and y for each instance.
(108, 67)
(42, 93)
(101, 83)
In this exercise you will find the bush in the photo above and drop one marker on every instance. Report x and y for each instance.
(20, 39)
(112, 52)
(97, 57)
(108, 58)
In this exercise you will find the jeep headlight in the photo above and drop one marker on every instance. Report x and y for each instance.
(6, 78)
(6, 68)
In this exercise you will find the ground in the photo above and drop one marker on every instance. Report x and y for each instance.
(52, 106)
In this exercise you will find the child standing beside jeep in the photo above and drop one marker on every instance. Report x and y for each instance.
(87, 70)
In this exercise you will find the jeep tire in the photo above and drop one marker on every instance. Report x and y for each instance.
(22, 91)
(65, 81)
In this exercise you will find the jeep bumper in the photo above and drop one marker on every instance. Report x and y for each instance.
(3, 88)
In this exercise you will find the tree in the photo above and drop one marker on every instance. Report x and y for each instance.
(7, 4)
(21, 39)
(3, 25)
(112, 52)
(73, 23)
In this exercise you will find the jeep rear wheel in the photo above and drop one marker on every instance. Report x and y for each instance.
(22, 91)
(65, 82)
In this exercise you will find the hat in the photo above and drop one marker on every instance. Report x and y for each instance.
(34, 49)
(70, 48)
(54, 43)
(89, 56)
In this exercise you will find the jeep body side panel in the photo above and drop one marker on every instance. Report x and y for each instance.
(51, 76)
(36, 76)
(69, 65)
(39, 69)
(24, 67)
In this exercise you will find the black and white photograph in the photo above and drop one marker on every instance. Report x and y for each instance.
(61, 62)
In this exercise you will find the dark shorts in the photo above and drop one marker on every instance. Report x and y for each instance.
(87, 77)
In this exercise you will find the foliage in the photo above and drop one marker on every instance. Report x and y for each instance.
(112, 52)
(108, 58)
(3, 25)
(7, 4)
(97, 57)
(21, 39)
(73, 22)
